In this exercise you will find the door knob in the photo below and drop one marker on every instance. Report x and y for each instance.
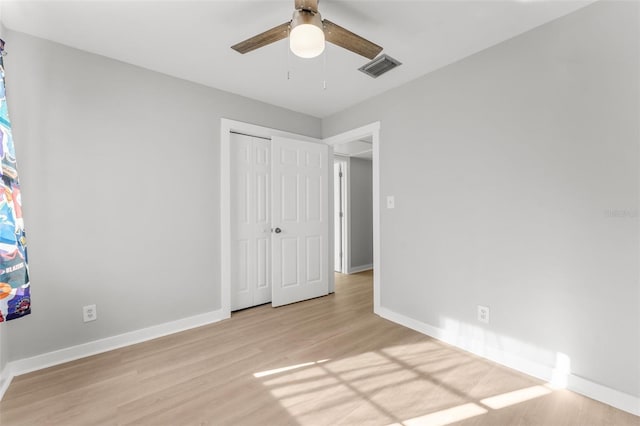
(277, 230)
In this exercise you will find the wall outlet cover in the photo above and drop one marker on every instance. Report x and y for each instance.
(89, 313)
(483, 314)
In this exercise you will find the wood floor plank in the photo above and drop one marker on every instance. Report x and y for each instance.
(325, 361)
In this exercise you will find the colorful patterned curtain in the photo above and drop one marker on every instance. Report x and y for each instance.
(15, 299)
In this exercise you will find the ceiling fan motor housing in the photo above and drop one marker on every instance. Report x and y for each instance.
(306, 36)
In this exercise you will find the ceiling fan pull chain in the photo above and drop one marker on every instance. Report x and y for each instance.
(288, 54)
(324, 70)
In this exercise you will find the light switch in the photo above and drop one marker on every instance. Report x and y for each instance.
(391, 202)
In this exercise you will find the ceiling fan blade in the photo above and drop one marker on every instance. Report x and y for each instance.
(307, 5)
(263, 39)
(344, 38)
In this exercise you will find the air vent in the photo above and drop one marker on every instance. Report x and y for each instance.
(379, 66)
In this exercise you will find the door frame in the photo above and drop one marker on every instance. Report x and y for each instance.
(346, 219)
(226, 127)
(370, 130)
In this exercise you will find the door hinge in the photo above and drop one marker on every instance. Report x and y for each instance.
(340, 175)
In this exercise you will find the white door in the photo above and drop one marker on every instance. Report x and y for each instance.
(300, 220)
(250, 221)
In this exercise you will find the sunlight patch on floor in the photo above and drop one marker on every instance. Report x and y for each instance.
(446, 417)
(422, 382)
(288, 368)
(515, 397)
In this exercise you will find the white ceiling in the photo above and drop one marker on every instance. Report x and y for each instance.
(191, 40)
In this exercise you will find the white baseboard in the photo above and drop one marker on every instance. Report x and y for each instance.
(49, 359)
(360, 268)
(617, 399)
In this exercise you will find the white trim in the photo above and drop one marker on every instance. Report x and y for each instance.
(360, 268)
(344, 243)
(359, 153)
(372, 130)
(225, 217)
(353, 134)
(38, 362)
(346, 238)
(620, 400)
(226, 127)
(347, 217)
(332, 231)
(617, 399)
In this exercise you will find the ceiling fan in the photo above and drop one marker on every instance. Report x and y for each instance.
(307, 33)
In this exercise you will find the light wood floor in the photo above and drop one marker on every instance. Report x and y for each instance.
(339, 364)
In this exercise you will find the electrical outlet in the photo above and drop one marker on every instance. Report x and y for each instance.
(483, 314)
(89, 313)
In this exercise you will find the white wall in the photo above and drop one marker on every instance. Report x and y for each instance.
(361, 214)
(515, 173)
(120, 179)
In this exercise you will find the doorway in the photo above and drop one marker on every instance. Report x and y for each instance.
(353, 181)
(369, 134)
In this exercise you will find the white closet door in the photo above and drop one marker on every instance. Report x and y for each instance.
(300, 173)
(250, 221)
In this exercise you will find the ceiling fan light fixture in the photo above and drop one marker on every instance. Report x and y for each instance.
(306, 38)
